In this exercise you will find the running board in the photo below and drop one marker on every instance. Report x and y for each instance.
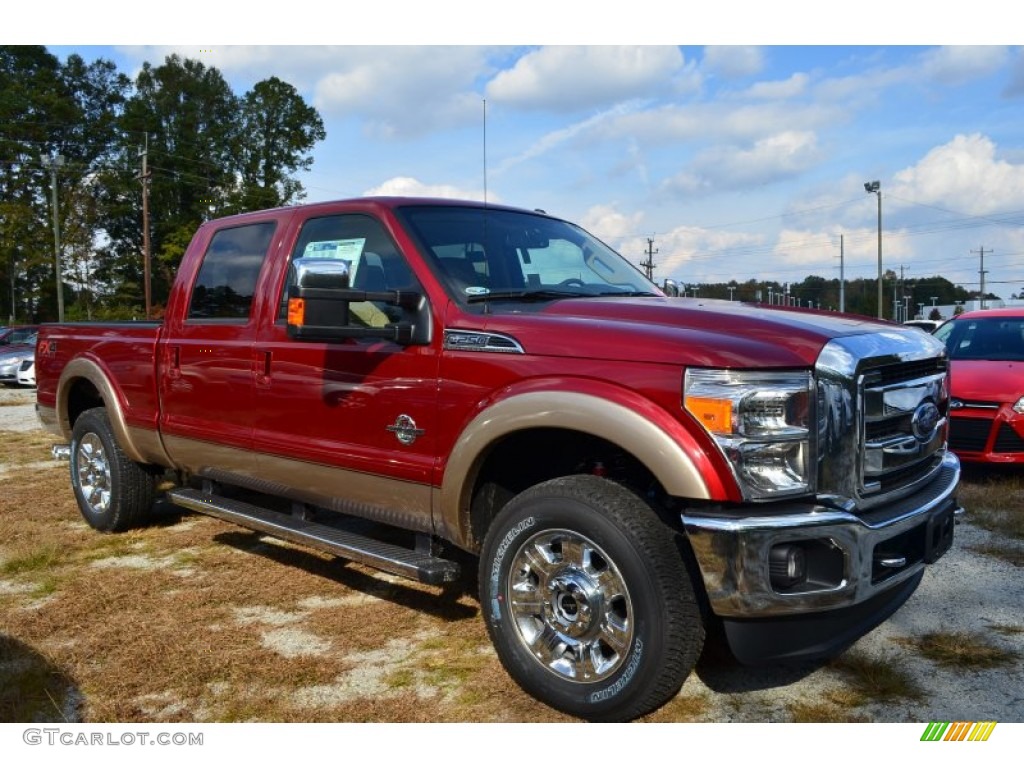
(384, 556)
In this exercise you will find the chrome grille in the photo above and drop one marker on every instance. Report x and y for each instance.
(882, 416)
(896, 444)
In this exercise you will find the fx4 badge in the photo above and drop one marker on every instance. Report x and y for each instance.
(405, 430)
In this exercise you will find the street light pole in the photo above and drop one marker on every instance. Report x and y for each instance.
(876, 187)
(53, 163)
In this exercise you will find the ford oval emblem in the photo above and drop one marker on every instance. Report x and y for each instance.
(925, 421)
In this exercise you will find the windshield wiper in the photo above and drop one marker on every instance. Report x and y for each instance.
(544, 294)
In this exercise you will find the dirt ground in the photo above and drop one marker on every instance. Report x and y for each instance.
(194, 620)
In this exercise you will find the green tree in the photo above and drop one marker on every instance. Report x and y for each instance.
(183, 115)
(209, 153)
(278, 132)
(30, 90)
(48, 110)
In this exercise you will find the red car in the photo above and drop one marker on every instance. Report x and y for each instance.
(986, 357)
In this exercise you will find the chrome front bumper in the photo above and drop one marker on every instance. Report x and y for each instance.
(733, 550)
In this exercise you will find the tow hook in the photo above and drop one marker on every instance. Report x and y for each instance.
(61, 452)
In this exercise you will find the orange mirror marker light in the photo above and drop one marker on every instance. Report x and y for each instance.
(714, 413)
(296, 311)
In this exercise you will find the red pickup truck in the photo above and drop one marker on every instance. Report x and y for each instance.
(404, 381)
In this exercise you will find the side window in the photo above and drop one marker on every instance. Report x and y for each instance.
(227, 278)
(374, 262)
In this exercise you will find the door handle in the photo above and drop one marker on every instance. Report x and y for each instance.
(263, 366)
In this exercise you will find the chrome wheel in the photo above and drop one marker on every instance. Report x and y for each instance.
(570, 606)
(93, 468)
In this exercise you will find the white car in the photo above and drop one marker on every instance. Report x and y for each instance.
(10, 362)
(27, 373)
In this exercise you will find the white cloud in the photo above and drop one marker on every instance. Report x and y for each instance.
(562, 136)
(723, 122)
(964, 175)
(766, 160)
(403, 91)
(793, 86)
(584, 77)
(958, 64)
(405, 186)
(396, 91)
(686, 253)
(610, 224)
(1015, 86)
(733, 61)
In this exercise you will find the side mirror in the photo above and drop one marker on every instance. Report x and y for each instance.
(670, 288)
(318, 306)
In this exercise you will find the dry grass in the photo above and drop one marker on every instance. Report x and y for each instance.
(1007, 630)
(20, 448)
(1014, 555)
(994, 499)
(961, 650)
(195, 620)
(836, 708)
(15, 397)
(875, 679)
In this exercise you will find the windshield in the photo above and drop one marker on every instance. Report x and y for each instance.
(488, 253)
(984, 338)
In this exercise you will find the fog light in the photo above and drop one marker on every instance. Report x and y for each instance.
(787, 566)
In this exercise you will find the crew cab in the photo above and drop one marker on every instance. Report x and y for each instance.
(417, 384)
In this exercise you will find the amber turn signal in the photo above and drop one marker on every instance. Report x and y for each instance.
(715, 414)
(296, 311)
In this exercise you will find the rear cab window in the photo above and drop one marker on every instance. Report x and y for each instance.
(226, 283)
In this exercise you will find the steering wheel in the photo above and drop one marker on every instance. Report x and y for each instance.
(573, 282)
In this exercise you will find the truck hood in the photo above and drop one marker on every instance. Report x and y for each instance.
(703, 332)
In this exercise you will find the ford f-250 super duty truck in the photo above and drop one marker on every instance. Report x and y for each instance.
(402, 381)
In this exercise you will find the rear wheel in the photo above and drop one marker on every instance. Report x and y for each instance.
(587, 600)
(113, 492)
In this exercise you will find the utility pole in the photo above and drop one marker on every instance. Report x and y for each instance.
(842, 278)
(53, 163)
(144, 177)
(876, 188)
(648, 266)
(982, 271)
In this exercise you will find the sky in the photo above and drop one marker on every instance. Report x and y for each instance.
(729, 160)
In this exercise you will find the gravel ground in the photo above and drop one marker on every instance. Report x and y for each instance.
(17, 409)
(967, 592)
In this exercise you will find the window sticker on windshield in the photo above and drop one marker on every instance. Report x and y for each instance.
(476, 290)
(349, 250)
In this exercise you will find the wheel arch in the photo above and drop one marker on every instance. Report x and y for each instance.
(84, 384)
(642, 434)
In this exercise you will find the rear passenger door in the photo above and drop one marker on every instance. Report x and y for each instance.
(207, 367)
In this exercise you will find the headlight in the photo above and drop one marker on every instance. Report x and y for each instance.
(762, 421)
(1019, 405)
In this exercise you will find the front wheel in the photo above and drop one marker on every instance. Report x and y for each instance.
(587, 600)
(113, 492)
